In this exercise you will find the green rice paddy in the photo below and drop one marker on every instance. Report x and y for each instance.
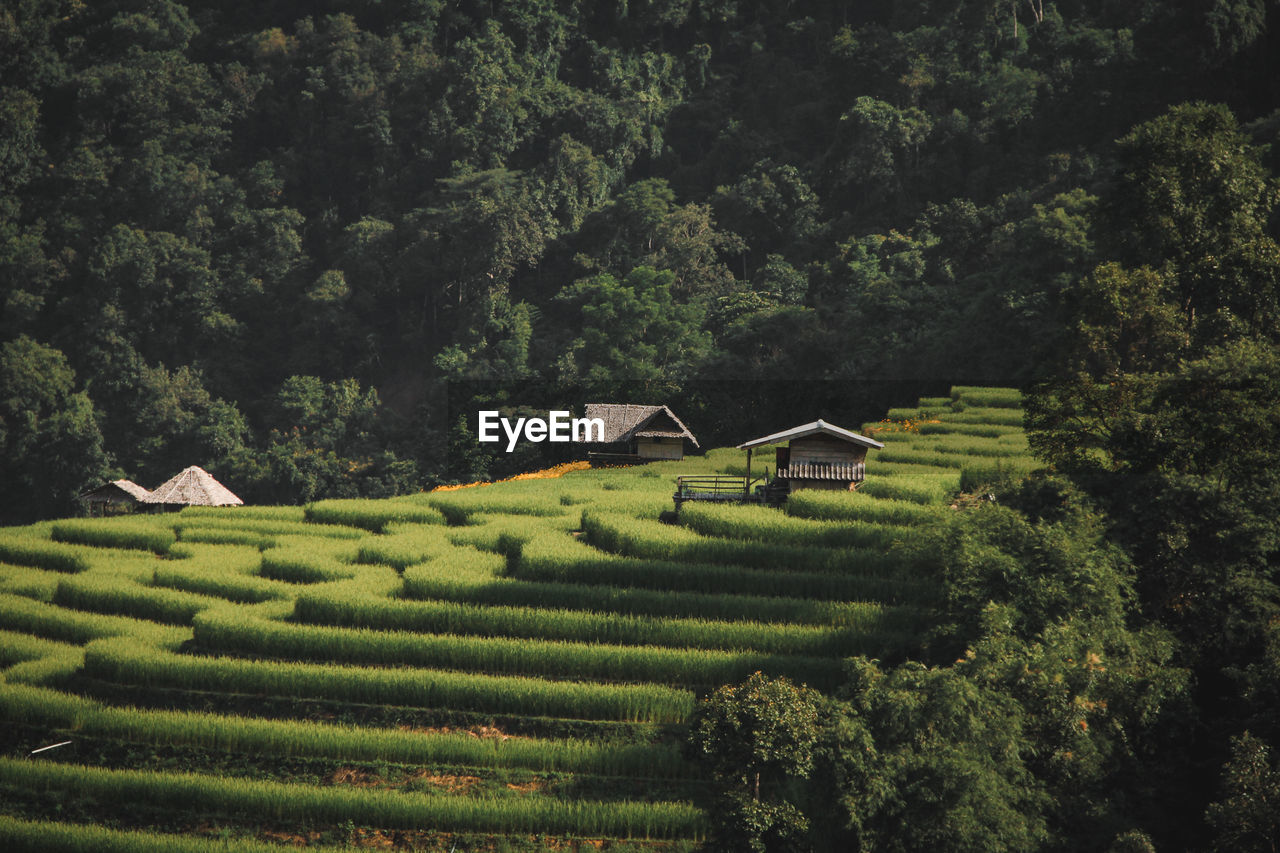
(498, 667)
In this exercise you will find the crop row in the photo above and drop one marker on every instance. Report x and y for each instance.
(190, 792)
(371, 515)
(223, 571)
(460, 507)
(40, 706)
(648, 538)
(400, 552)
(16, 647)
(225, 536)
(968, 446)
(1000, 416)
(141, 533)
(26, 581)
(920, 455)
(43, 554)
(562, 559)
(598, 593)
(976, 475)
(231, 632)
(858, 506)
(266, 526)
(122, 662)
(927, 488)
(974, 395)
(242, 589)
(983, 430)
(301, 561)
(125, 597)
(18, 613)
(766, 525)
(878, 628)
(44, 836)
(244, 513)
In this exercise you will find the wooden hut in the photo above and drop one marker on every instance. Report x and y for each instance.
(634, 433)
(817, 455)
(116, 496)
(194, 486)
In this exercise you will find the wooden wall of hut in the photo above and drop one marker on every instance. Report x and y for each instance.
(824, 449)
(660, 448)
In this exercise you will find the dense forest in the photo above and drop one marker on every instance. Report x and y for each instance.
(289, 242)
(268, 238)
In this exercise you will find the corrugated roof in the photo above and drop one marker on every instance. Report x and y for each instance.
(193, 487)
(625, 421)
(818, 427)
(851, 471)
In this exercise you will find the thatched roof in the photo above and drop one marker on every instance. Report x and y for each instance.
(818, 427)
(625, 421)
(116, 490)
(193, 487)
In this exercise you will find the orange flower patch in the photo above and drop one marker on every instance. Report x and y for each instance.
(545, 474)
(904, 425)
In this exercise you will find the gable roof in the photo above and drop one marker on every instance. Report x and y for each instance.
(128, 487)
(818, 427)
(194, 486)
(625, 421)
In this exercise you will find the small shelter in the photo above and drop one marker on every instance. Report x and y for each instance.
(634, 433)
(193, 487)
(114, 496)
(818, 455)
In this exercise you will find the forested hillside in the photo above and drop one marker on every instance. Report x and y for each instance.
(261, 237)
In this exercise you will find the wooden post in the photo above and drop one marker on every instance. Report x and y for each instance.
(746, 486)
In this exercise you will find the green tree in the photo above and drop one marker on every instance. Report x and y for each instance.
(326, 440)
(756, 738)
(1248, 816)
(927, 759)
(1032, 699)
(1165, 411)
(633, 328)
(875, 151)
(1193, 200)
(50, 446)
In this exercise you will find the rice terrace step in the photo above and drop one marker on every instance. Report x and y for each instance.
(564, 610)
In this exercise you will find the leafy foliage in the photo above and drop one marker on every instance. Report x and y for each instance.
(205, 208)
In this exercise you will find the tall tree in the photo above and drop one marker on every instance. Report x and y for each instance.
(50, 446)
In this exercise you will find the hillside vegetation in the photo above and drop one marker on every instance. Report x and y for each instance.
(483, 667)
(282, 240)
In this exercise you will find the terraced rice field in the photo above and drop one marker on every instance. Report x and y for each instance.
(492, 668)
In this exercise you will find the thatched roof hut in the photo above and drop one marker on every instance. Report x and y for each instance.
(115, 495)
(193, 487)
(645, 432)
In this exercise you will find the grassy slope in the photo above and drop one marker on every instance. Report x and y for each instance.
(488, 663)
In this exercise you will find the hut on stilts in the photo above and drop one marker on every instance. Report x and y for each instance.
(816, 455)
